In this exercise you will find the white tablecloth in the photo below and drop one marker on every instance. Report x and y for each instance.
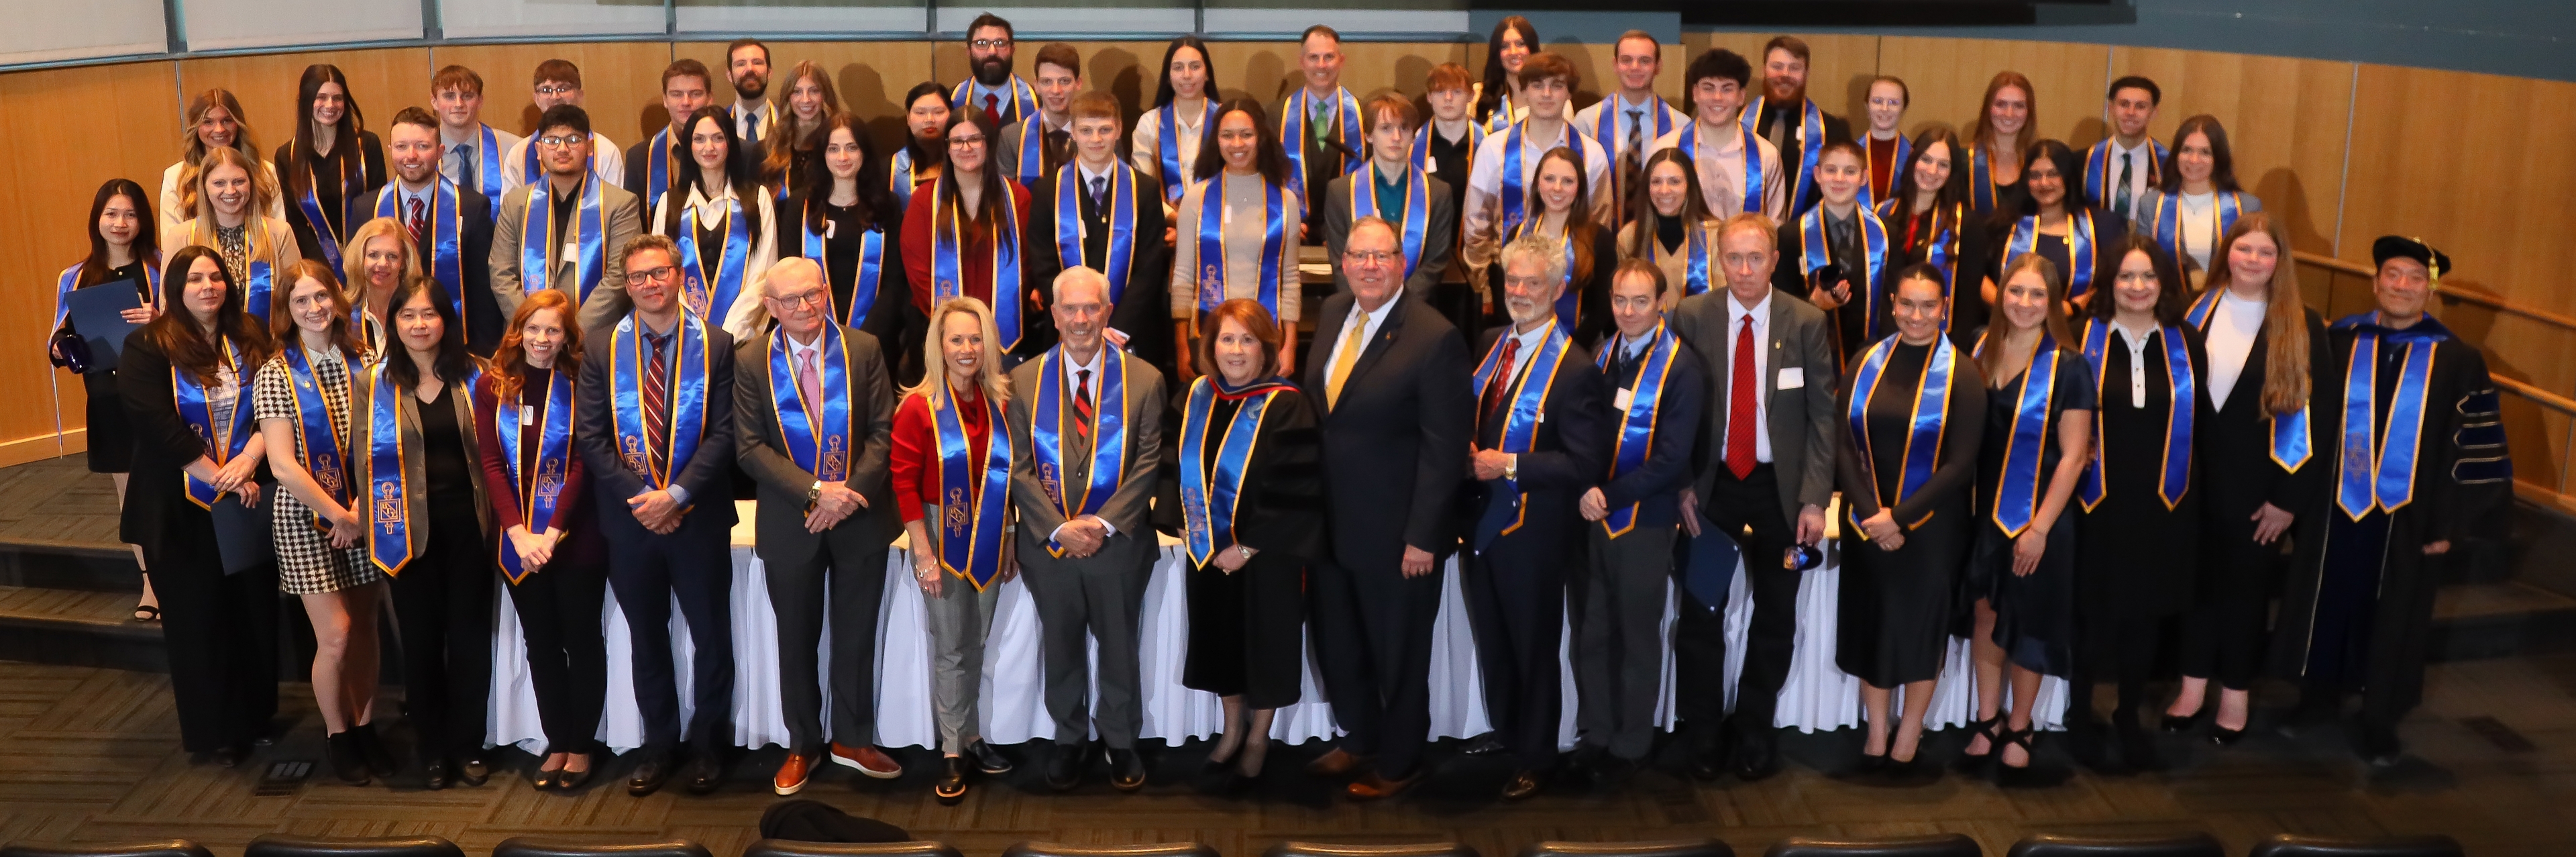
(1817, 696)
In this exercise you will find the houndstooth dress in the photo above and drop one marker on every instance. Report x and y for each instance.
(306, 562)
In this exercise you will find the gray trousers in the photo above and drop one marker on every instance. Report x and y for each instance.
(1100, 595)
(850, 589)
(1618, 647)
(959, 618)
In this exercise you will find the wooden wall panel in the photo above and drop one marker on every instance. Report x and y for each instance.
(1839, 68)
(619, 80)
(383, 81)
(1949, 76)
(2285, 121)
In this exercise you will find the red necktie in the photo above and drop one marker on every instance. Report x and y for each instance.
(992, 110)
(419, 223)
(1502, 380)
(1739, 405)
(1082, 403)
(657, 419)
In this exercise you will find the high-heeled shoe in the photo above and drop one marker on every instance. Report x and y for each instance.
(341, 750)
(1976, 764)
(2177, 725)
(2028, 774)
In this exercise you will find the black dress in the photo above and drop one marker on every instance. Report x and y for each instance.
(111, 439)
(345, 208)
(2138, 557)
(2034, 613)
(891, 319)
(1894, 615)
(1964, 248)
(1247, 629)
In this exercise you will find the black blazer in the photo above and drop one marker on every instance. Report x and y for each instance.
(1144, 310)
(1439, 231)
(782, 485)
(483, 321)
(708, 475)
(1395, 445)
(2234, 444)
(164, 446)
(1569, 451)
(1659, 482)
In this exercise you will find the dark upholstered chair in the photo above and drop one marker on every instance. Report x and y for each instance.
(1145, 849)
(283, 845)
(1944, 845)
(2290, 845)
(2056, 845)
(794, 848)
(1663, 848)
(1394, 849)
(556, 846)
(159, 848)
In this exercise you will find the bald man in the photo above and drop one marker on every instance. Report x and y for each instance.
(813, 412)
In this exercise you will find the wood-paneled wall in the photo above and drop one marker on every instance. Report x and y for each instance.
(2476, 164)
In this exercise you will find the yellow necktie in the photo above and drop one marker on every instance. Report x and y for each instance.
(1352, 344)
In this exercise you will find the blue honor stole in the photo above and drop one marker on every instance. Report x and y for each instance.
(2290, 443)
(947, 269)
(2082, 250)
(389, 542)
(196, 408)
(1049, 420)
(899, 174)
(1569, 301)
(1817, 252)
(713, 301)
(2164, 222)
(537, 497)
(1689, 144)
(863, 286)
(1212, 250)
(2098, 175)
(2381, 475)
(1501, 118)
(817, 434)
(1695, 268)
(1517, 188)
(660, 165)
(1811, 145)
(1176, 176)
(2175, 480)
(1292, 127)
(1941, 252)
(1981, 181)
(1209, 495)
(488, 171)
(972, 505)
(315, 433)
(255, 298)
(1070, 228)
(259, 271)
(1032, 149)
(1636, 439)
(1605, 128)
(1520, 421)
(1931, 413)
(1904, 161)
(537, 258)
(310, 203)
(70, 282)
(446, 234)
(1413, 223)
(1422, 146)
(2017, 493)
(1022, 103)
(687, 401)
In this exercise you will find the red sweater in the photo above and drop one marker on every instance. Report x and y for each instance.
(915, 461)
(975, 258)
(496, 472)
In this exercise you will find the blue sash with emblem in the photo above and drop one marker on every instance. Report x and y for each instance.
(2083, 250)
(1517, 189)
(1816, 251)
(537, 260)
(713, 302)
(2164, 223)
(446, 235)
(863, 285)
(537, 497)
(1636, 438)
(1294, 137)
(1521, 418)
(817, 435)
(947, 268)
(1212, 251)
(315, 432)
(1811, 145)
(1412, 224)
(2381, 475)
(2098, 176)
(1050, 420)
(973, 504)
(2017, 492)
(1931, 413)
(687, 402)
(1209, 495)
(1176, 176)
(1071, 228)
(2290, 442)
(2175, 478)
(196, 408)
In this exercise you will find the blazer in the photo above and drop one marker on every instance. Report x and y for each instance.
(619, 213)
(708, 474)
(1569, 446)
(1439, 233)
(1657, 484)
(483, 319)
(157, 513)
(1126, 509)
(415, 464)
(1395, 444)
(781, 485)
(1801, 417)
(1143, 311)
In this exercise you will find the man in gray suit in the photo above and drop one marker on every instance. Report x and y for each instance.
(1085, 545)
(817, 451)
(1389, 178)
(1766, 464)
(578, 246)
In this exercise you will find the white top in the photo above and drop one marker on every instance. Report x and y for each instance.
(1368, 320)
(1720, 155)
(1483, 226)
(2232, 329)
(746, 317)
(172, 215)
(2144, 163)
(1738, 318)
(2136, 342)
(607, 162)
(1147, 152)
(2199, 225)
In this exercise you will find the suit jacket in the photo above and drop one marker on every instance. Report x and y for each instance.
(1679, 413)
(707, 475)
(414, 460)
(639, 165)
(619, 212)
(1801, 418)
(1439, 233)
(483, 319)
(1004, 150)
(1569, 448)
(1395, 445)
(782, 484)
(1126, 510)
(1144, 310)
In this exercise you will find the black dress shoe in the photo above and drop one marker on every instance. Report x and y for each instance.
(473, 771)
(544, 780)
(1064, 769)
(649, 775)
(1487, 744)
(230, 756)
(2139, 748)
(2177, 725)
(1708, 763)
(380, 759)
(1126, 769)
(569, 779)
(702, 774)
(1868, 768)
(341, 750)
(987, 758)
(951, 787)
(1757, 757)
(1522, 785)
(437, 774)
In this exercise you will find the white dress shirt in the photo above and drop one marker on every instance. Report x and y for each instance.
(1720, 154)
(1738, 316)
(752, 122)
(1369, 321)
(2144, 163)
(2231, 343)
(1483, 220)
(2137, 345)
(1075, 386)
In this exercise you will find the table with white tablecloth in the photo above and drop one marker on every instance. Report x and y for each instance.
(1816, 696)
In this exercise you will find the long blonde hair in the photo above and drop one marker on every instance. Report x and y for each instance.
(192, 151)
(1990, 361)
(2285, 322)
(353, 257)
(934, 379)
(263, 186)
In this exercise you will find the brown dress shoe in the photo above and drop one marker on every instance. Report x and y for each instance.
(868, 760)
(1523, 785)
(1375, 786)
(1337, 763)
(792, 774)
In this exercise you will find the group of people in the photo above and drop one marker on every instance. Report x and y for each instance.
(1569, 350)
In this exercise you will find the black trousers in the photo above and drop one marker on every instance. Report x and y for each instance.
(850, 589)
(221, 630)
(1699, 636)
(559, 614)
(1373, 634)
(1516, 602)
(646, 571)
(443, 605)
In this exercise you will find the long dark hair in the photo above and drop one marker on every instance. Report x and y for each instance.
(1579, 227)
(2070, 168)
(2222, 163)
(298, 168)
(175, 330)
(2169, 282)
(1268, 159)
(874, 200)
(1163, 93)
(739, 172)
(454, 363)
(1952, 191)
(996, 189)
(1641, 240)
(920, 157)
(1496, 80)
(147, 230)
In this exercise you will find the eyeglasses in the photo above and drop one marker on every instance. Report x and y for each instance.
(816, 297)
(1372, 257)
(562, 142)
(965, 142)
(557, 90)
(649, 275)
(990, 44)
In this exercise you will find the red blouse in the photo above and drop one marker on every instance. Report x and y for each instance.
(976, 257)
(915, 461)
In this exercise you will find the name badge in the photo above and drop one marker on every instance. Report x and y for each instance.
(1793, 377)
(1619, 401)
(830, 227)
(572, 252)
(1430, 166)
(527, 416)
(1228, 217)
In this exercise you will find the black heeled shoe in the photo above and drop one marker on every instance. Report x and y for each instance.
(2177, 725)
(371, 747)
(2028, 774)
(340, 749)
(1976, 764)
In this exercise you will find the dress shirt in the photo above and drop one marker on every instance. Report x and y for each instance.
(1530, 340)
(1483, 221)
(403, 196)
(1368, 320)
(2137, 345)
(1107, 174)
(2231, 343)
(752, 121)
(1075, 386)
(2144, 163)
(1737, 316)
(1719, 153)
(796, 351)
(1147, 153)
(452, 164)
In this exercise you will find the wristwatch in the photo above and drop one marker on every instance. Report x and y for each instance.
(814, 494)
(1244, 552)
(1512, 467)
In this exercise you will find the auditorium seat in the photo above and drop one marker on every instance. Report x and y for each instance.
(2060, 845)
(796, 848)
(286, 845)
(156, 848)
(558, 846)
(1662, 848)
(1141, 849)
(1347, 849)
(1944, 845)
(2293, 845)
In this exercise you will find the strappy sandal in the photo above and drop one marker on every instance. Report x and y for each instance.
(1976, 764)
(147, 613)
(2029, 774)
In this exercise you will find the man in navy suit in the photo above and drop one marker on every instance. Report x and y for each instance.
(454, 243)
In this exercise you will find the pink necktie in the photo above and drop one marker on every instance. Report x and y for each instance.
(809, 380)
